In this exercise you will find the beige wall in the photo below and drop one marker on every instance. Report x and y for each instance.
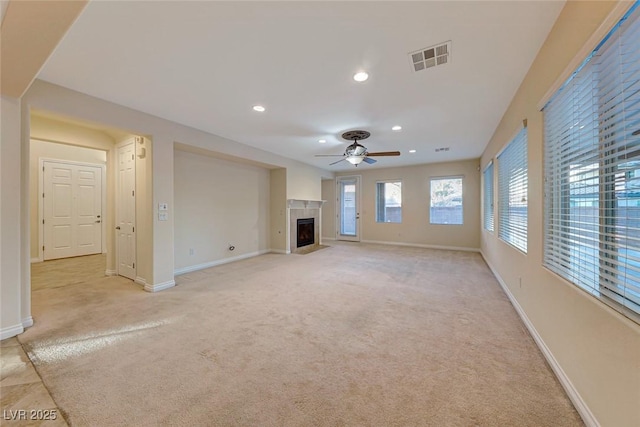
(328, 209)
(597, 348)
(219, 203)
(47, 129)
(279, 226)
(50, 150)
(304, 182)
(12, 312)
(415, 227)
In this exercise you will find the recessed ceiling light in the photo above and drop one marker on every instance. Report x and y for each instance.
(361, 76)
(412, 151)
(322, 141)
(258, 108)
(396, 128)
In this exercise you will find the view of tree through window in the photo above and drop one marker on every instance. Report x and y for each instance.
(446, 201)
(389, 201)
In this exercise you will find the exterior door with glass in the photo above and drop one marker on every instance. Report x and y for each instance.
(348, 203)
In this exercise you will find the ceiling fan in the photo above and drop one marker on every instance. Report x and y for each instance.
(357, 153)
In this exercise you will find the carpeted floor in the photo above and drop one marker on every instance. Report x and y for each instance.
(351, 335)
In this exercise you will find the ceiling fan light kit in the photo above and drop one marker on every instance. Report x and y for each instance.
(357, 153)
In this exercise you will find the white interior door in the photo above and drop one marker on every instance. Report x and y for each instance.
(126, 212)
(72, 209)
(349, 208)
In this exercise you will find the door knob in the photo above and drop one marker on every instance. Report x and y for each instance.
(118, 228)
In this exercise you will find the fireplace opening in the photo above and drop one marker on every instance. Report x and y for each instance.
(306, 234)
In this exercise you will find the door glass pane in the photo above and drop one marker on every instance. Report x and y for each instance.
(348, 208)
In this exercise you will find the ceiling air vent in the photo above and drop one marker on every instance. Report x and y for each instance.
(430, 57)
(442, 149)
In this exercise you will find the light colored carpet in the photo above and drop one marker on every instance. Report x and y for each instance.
(352, 335)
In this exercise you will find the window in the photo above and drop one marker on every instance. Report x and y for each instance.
(488, 197)
(592, 172)
(446, 201)
(389, 201)
(512, 192)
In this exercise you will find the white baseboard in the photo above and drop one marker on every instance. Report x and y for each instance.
(209, 264)
(327, 238)
(11, 331)
(419, 245)
(111, 273)
(140, 281)
(159, 286)
(279, 251)
(34, 260)
(27, 322)
(577, 400)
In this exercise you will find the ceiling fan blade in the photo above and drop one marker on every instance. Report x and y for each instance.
(329, 155)
(384, 153)
(337, 162)
(368, 160)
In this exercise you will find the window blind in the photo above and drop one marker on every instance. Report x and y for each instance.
(512, 192)
(592, 171)
(488, 197)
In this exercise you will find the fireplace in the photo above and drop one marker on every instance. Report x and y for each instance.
(304, 219)
(306, 232)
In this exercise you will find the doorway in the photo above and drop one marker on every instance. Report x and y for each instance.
(68, 205)
(348, 208)
(126, 211)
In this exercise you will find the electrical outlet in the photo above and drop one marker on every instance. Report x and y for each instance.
(191, 251)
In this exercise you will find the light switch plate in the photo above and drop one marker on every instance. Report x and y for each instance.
(163, 206)
(163, 216)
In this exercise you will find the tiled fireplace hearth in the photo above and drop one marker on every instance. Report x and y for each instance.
(309, 212)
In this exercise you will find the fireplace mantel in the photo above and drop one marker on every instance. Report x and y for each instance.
(304, 204)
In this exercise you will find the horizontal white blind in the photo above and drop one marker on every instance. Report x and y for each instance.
(488, 197)
(512, 192)
(592, 172)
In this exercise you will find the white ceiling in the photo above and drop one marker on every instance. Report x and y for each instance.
(205, 64)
